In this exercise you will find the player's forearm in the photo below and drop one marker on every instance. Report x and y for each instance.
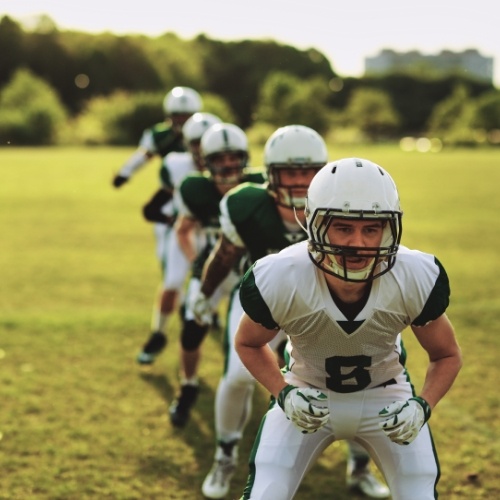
(262, 364)
(440, 377)
(134, 163)
(219, 264)
(152, 210)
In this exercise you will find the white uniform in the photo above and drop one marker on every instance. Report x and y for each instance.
(176, 167)
(354, 362)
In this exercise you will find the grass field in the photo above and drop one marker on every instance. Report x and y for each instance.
(78, 418)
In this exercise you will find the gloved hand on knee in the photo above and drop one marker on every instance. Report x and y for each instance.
(305, 407)
(404, 419)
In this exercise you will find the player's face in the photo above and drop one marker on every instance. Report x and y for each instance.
(226, 170)
(298, 178)
(293, 184)
(356, 233)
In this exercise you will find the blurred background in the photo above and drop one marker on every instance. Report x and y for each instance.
(93, 74)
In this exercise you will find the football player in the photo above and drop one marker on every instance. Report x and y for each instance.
(224, 148)
(343, 297)
(161, 209)
(261, 220)
(162, 138)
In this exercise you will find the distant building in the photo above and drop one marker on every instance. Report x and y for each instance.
(469, 63)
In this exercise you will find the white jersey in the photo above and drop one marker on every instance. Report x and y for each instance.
(288, 291)
(175, 167)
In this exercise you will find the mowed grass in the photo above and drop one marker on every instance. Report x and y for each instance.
(80, 420)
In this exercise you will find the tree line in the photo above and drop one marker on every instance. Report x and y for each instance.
(73, 87)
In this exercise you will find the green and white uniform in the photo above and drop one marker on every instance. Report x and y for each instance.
(158, 140)
(175, 168)
(199, 198)
(249, 218)
(353, 361)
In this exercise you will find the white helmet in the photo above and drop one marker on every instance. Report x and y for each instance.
(224, 138)
(197, 125)
(353, 189)
(292, 147)
(182, 100)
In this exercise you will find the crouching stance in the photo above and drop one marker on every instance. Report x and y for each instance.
(343, 297)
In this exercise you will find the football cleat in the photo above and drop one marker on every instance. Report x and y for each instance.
(217, 483)
(154, 346)
(361, 480)
(181, 406)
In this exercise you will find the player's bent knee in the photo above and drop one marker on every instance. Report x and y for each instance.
(192, 335)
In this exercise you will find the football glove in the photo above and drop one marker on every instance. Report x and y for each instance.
(119, 180)
(202, 309)
(404, 419)
(305, 407)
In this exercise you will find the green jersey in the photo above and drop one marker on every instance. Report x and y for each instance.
(162, 139)
(250, 218)
(200, 199)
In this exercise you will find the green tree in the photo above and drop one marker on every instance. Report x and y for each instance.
(11, 48)
(32, 113)
(450, 112)
(487, 111)
(237, 70)
(285, 99)
(371, 111)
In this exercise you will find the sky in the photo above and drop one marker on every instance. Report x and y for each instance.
(345, 32)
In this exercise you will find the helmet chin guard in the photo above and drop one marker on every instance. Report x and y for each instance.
(353, 189)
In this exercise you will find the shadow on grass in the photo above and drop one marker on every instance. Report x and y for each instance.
(159, 382)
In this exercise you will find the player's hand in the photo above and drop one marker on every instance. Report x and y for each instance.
(119, 180)
(305, 407)
(202, 309)
(404, 419)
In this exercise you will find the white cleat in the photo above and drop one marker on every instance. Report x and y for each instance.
(363, 481)
(217, 482)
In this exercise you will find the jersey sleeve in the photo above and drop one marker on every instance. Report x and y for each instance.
(253, 303)
(165, 177)
(180, 204)
(147, 141)
(439, 297)
(228, 229)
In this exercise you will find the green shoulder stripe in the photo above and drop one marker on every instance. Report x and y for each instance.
(201, 197)
(245, 199)
(166, 139)
(438, 300)
(165, 179)
(253, 303)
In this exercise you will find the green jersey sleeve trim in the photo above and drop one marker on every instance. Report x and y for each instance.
(438, 300)
(253, 303)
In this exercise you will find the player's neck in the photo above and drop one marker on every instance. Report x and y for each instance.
(346, 291)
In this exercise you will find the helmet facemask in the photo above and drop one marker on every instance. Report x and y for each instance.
(333, 259)
(228, 174)
(225, 150)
